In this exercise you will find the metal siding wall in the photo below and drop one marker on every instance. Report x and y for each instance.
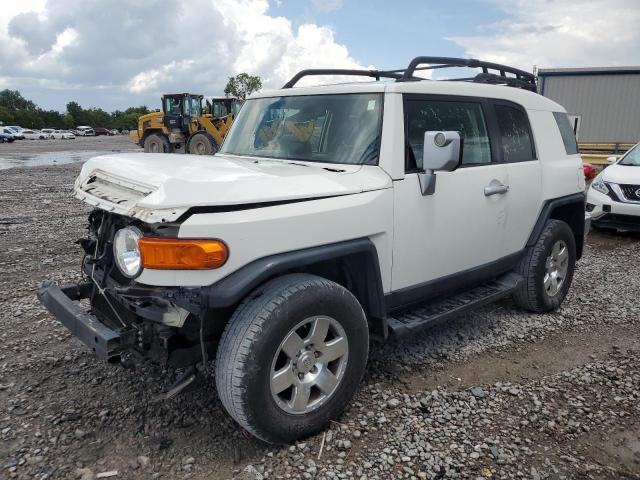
(608, 104)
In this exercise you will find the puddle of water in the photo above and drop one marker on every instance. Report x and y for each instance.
(49, 158)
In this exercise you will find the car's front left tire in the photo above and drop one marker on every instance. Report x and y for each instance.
(291, 357)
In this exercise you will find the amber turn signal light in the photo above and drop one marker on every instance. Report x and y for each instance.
(182, 254)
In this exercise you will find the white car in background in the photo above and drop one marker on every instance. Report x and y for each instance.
(34, 134)
(7, 132)
(63, 134)
(84, 131)
(47, 132)
(613, 200)
(16, 131)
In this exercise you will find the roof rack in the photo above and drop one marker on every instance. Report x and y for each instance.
(341, 71)
(505, 75)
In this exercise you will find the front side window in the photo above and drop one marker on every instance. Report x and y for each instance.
(566, 132)
(317, 128)
(464, 117)
(631, 158)
(515, 134)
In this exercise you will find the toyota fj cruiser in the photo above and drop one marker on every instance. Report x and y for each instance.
(329, 213)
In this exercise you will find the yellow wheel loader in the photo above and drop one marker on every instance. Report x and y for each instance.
(185, 122)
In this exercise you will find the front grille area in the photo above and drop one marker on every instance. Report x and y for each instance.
(631, 192)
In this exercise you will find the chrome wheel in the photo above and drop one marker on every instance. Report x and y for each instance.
(556, 268)
(309, 365)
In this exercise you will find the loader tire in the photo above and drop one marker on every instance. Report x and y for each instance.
(157, 143)
(202, 143)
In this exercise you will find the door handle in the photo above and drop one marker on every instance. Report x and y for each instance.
(495, 189)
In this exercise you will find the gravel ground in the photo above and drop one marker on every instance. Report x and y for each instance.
(496, 394)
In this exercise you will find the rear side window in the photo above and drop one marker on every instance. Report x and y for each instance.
(566, 131)
(515, 134)
(464, 117)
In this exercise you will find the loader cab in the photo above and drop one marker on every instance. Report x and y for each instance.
(180, 110)
(222, 106)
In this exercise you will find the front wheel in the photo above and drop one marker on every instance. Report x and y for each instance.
(202, 143)
(291, 357)
(157, 143)
(547, 269)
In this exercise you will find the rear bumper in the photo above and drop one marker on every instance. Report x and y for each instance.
(587, 223)
(104, 341)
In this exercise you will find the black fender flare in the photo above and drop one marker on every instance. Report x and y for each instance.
(234, 287)
(570, 209)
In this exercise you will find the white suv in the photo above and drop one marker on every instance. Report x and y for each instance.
(329, 213)
(613, 199)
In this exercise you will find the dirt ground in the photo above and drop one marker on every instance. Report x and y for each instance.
(496, 394)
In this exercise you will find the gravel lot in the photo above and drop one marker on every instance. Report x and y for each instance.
(496, 394)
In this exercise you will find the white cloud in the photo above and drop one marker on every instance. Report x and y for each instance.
(560, 33)
(135, 51)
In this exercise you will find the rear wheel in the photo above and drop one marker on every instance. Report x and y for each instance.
(157, 143)
(547, 269)
(292, 357)
(202, 143)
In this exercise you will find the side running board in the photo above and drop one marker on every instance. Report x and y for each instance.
(446, 308)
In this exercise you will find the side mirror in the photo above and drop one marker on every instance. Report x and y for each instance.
(611, 160)
(442, 151)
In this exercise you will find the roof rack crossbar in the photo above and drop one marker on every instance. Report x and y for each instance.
(347, 72)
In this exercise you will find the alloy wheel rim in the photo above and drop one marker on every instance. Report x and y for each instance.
(556, 267)
(309, 365)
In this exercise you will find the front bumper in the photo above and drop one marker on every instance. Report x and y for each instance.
(608, 213)
(105, 342)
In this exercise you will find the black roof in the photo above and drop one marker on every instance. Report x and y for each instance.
(492, 73)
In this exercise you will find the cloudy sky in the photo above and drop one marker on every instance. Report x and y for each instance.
(117, 53)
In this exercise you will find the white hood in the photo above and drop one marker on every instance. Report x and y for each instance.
(624, 174)
(159, 187)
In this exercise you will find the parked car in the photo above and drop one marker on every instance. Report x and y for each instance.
(63, 134)
(455, 194)
(8, 133)
(613, 199)
(115, 132)
(16, 131)
(47, 132)
(103, 131)
(590, 172)
(6, 137)
(33, 135)
(84, 131)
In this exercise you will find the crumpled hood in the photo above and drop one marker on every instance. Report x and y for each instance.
(161, 187)
(623, 174)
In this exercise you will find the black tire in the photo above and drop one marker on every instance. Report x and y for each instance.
(532, 295)
(157, 143)
(202, 143)
(254, 335)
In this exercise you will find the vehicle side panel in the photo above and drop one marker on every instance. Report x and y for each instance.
(260, 232)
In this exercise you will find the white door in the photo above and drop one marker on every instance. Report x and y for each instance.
(461, 226)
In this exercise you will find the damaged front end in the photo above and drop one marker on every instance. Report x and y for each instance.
(113, 314)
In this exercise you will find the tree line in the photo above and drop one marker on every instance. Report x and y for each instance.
(17, 110)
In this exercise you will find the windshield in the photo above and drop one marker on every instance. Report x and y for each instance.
(317, 128)
(632, 158)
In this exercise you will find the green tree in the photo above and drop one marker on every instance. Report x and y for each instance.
(242, 85)
(13, 100)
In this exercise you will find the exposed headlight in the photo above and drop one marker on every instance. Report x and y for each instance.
(126, 251)
(599, 185)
